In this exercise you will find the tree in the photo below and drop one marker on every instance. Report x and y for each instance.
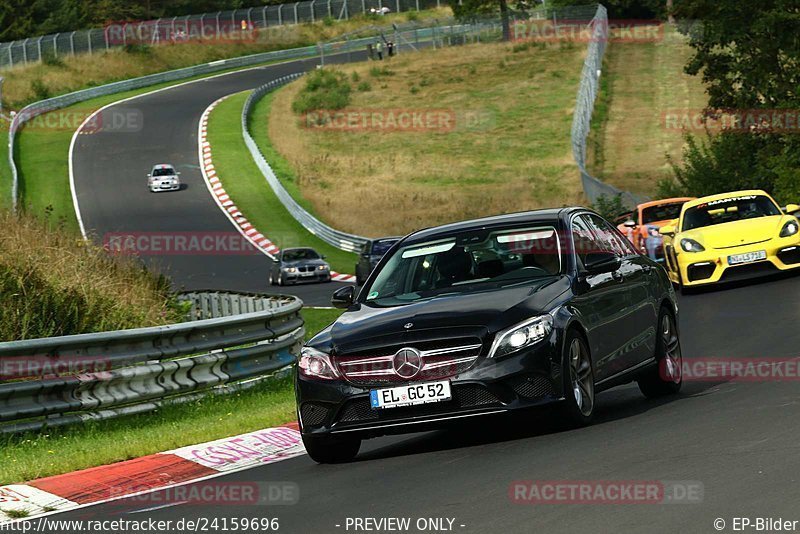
(467, 9)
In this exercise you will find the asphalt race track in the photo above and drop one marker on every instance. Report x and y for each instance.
(110, 172)
(741, 441)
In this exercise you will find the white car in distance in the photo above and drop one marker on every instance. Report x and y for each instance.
(163, 177)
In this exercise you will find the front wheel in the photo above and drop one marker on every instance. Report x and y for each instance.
(331, 449)
(578, 409)
(666, 378)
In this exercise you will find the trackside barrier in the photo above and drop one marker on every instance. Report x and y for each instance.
(593, 188)
(231, 342)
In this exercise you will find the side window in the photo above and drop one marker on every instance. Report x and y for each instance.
(584, 240)
(606, 236)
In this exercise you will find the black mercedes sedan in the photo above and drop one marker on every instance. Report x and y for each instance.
(488, 316)
(298, 265)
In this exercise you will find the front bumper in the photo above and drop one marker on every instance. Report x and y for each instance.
(711, 266)
(531, 377)
(298, 278)
(166, 187)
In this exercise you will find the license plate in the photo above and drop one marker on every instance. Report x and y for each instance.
(306, 274)
(410, 395)
(747, 257)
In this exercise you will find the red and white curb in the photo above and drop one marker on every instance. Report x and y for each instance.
(150, 473)
(227, 205)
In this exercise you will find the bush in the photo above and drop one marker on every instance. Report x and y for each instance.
(379, 72)
(728, 161)
(140, 49)
(51, 60)
(364, 87)
(328, 20)
(412, 16)
(610, 207)
(40, 90)
(324, 90)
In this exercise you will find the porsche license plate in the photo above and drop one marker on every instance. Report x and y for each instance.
(747, 257)
(410, 395)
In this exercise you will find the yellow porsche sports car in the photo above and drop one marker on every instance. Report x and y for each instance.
(731, 236)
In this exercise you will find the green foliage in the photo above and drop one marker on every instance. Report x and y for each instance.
(354, 77)
(725, 162)
(40, 89)
(324, 90)
(328, 20)
(51, 60)
(610, 207)
(137, 48)
(364, 86)
(622, 9)
(379, 72)
(412, 16)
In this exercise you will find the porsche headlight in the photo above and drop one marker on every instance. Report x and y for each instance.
(690, 245)
(316, 364)
(790, 228)
(521, 335)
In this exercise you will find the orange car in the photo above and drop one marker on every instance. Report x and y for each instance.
(641, 225)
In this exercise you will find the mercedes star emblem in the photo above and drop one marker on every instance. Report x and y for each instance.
(407, 363)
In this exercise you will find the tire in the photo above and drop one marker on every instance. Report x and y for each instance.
(271, 279)
(666, 377)
(280, 279)
(578, 373)
(332, 449)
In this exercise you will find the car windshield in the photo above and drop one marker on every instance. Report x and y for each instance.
(379, 248)
(300, 254)
(662, 212)
(163, 171)
(467, 262)
(728, 210)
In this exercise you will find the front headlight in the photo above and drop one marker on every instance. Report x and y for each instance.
(522, 335)
(290, 269)
(690, 245)
(322, 268)
(790, 228)
(316, 364)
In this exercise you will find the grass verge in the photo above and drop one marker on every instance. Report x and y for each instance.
(65, 450)
(498, 138)
(642, 81)
(247, 187)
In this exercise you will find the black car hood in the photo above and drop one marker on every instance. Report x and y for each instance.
(474, 314)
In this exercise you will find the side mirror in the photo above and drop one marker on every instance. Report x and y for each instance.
(791, 208)
(630, 223)
(668, 230)
(602, 262)
(343, 297)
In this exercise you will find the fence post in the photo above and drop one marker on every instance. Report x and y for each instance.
(72, 43)
(280, 17)
(217, 19)
(39, 46)
(10, 55)
(397, 2)
(249, 18)
(295, 11)
(363, 7)
(125, 34)
(312, 10)
(25, 50)
(417, 4)
(55, 45)
(330, 13)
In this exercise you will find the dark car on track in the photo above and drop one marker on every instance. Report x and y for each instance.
(371, 254)
(484, 317)
(299, 265)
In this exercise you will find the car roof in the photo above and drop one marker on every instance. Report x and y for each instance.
(297, 248)
(536, 216)
(163, 166)
(720, 196)
(675, 200)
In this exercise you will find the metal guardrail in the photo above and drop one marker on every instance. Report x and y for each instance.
(584, 108)
(65, 380)
(449, 35)
(221, 25)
